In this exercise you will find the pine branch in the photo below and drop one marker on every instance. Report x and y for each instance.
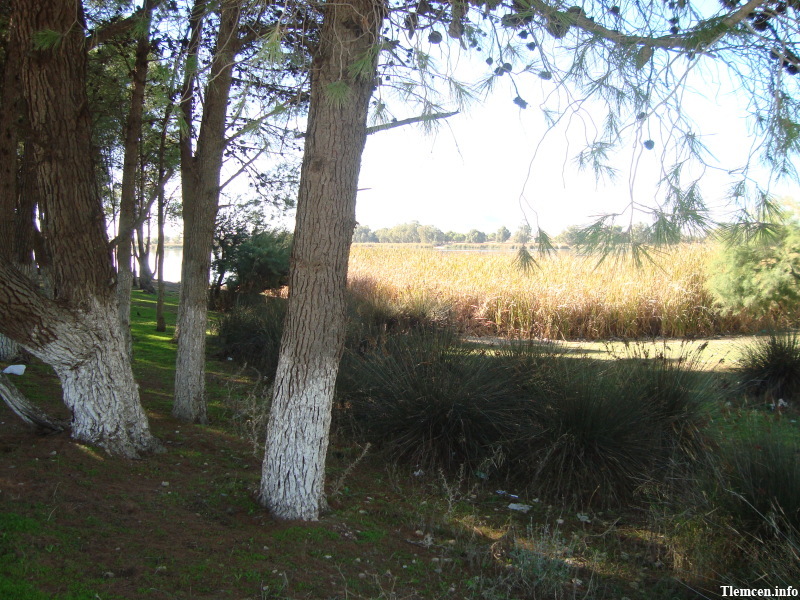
(410, 121)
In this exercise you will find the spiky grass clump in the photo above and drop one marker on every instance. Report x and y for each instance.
(770, 367)
(565, 428)
(607, 431)
(432, 401)
(763, 484)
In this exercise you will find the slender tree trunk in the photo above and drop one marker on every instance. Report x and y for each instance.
(200, 183)
(77, 332)
(143, 256)
(161, 322)
(314, 331)
(127, 206)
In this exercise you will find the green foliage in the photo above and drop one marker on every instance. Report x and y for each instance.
(364, 235)
(260, 262)
(771, 366)
(338, 93)
(761, 278)
(252, 335)
(522, 235)
(475, 237)
(47, 39)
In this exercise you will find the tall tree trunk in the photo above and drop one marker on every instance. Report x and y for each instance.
(127, 205)
(200, 176)
(314, 331)
(161, 322)
(9, 167)
(77, 332)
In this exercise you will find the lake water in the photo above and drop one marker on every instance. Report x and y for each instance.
(172, 263)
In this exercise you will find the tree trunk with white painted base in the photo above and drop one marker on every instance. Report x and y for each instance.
(314, 330)
(77, 332)
(200, 177)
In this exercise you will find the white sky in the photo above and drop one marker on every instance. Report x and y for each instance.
(473, 173)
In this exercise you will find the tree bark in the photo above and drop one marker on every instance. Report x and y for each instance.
(9, 167)
(200, 177)
(314, 331)
(77, 332)
(127, 205)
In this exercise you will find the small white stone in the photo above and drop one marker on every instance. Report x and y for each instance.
(165, 484)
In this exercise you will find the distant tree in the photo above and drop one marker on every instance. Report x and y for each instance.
(454, 237)
(502, 234)
(475, 237)
(364, 235)
(428, 234)
(570, 236)
(522, 235)
(762, 275)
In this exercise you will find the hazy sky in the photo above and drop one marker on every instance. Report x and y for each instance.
(482, 169)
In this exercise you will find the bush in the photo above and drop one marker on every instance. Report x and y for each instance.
(261, 262)
(607, 430)
(771, 366)
(568, 429)
(430, 400)
(761, 278)
(252, 335)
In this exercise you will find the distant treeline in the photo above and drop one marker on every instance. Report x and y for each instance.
(416, 233)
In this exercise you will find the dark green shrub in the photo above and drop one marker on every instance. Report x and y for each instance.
(260, 262)
(431, 400)
(770, 367)
(605, 431)
(594, 440)
(570, 429)
(252, 334)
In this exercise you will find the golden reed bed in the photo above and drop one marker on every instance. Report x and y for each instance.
(569, 297)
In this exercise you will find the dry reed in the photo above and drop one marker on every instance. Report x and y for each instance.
(569, 297)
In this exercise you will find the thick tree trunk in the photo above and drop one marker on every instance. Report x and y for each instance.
(314, 330)
(200, 184)
(77, 332)
(9, 166)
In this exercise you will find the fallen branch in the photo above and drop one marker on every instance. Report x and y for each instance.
(26, 411)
